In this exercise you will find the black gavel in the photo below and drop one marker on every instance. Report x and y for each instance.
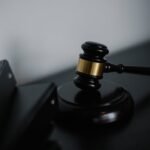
(82, 102)
(92, 65)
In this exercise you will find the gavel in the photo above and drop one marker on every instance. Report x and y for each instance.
(89, 99)
(92, 65)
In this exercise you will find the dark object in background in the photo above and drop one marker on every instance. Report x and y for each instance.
(30, 121)
(7, 90)
(30, 110)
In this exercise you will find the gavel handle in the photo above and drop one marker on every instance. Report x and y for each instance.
(127, 69)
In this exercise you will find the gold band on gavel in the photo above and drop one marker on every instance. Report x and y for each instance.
(90, 67)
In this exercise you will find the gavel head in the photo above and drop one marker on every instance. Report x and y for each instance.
(90, 66)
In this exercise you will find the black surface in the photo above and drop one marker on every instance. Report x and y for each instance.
(135, 135)
(30, 116)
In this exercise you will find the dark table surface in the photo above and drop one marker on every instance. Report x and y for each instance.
(135, 135)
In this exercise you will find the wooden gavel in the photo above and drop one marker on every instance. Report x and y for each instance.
(92, 65)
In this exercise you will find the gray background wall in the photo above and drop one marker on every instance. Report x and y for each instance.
(41, 37)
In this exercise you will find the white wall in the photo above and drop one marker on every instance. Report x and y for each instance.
(40, 37)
